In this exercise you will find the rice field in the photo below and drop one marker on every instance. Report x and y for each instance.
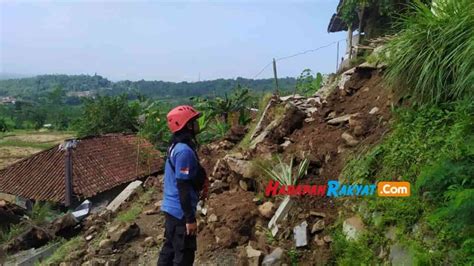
(17, 145)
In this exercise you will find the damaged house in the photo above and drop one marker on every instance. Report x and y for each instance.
(80, 169)
(370, 19)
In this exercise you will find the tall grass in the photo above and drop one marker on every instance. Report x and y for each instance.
(431, 59)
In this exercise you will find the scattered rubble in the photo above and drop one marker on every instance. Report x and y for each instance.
(124, 233)
(212, 218)
(349, 139)
(317, 214)
(253, 255)
(341, 119)
(374, 110)
(10, 213)
(319, 241)
(301, 235)
(317, 226)
(274, 258)
(282, 126)
(266, 209)
(327, 239)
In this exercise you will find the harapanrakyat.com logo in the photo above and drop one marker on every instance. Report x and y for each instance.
(335, 189)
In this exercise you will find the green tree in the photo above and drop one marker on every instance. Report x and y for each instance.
(307, 84)
(224, 106)
(154, 124)
(3, 125)
(107, 114)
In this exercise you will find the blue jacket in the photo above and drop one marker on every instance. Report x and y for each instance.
(185, 168)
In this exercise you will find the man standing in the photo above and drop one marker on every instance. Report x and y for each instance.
(184, 179)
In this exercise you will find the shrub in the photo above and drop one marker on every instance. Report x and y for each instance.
(42, 213)
(283, 173)
(433, 148)
(431, 58)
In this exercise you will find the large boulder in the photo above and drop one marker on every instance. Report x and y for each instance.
(353, 228)
(239, 166)
(124, 233)
(283, 125)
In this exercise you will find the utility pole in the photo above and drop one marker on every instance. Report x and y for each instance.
(337, 57)
(275, 76)
(349, 32)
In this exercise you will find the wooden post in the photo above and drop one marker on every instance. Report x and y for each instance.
(68, 176)
(275, 76)
(349, 31)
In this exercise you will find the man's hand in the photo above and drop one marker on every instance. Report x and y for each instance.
(191, 229)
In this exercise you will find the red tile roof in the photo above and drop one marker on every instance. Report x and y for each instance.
(99, 164)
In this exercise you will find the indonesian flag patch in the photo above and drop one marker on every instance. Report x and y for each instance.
(184, 170)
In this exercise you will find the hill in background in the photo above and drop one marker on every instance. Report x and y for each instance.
(86, 85)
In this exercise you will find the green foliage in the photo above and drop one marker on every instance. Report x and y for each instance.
(294, 256)
(176, 92)
(433, 148)
(306, 84)
(349, 8)
(43, 84)
(224, 106)
(3, 125)
(216, 130)
(108, 115)
(431, 58)
(42, 212)
(352, 252)
(134, 211)
(66, 248)
(283, 173)
(9, 233)
(154, 126)
(363, 166)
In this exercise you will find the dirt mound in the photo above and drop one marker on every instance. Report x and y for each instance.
(352, 116)
(229, 222)
(364, 96)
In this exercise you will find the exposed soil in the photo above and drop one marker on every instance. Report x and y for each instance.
(323, 145)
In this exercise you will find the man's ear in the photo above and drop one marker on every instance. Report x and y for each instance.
(189, 126)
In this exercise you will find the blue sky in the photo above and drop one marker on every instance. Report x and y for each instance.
(172, 41)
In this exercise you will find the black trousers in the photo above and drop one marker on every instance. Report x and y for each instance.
(178, 248)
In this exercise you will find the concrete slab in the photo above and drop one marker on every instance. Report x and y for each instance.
(32, 256)
(301, 234)
(280, 214)
(124, 195)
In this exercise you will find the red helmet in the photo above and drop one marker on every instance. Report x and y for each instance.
(179, 116)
